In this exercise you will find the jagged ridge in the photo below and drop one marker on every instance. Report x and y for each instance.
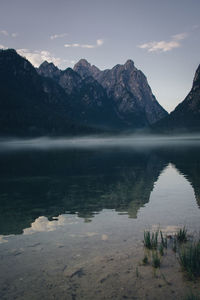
(48, 100)
(129, 90)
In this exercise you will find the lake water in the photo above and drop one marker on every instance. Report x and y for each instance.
(73, 212)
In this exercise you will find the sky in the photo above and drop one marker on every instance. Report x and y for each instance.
(162, 37)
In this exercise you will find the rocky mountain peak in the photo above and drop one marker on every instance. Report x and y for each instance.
(47, 69)
(82, 63)
(44, 64)
(85, 69)
(129, 64)
(129, 90)
(48, 65)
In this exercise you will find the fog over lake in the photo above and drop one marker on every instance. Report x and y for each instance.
(98, 142)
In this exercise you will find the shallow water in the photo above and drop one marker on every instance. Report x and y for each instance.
(68, 211)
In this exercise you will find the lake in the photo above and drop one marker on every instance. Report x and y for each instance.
(73, 213)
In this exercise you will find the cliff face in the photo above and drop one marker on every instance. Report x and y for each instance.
(126, 93)
(129, 90)
(49, 70)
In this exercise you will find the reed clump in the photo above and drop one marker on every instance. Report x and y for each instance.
(155, 260)
(188, 251)
(151, 240)
(163, 240)
(181, 235)
(156, 245)
(189, 259)
(161, 250)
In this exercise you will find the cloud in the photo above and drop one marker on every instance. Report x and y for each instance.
(14, 35)
(6, 33)
(3, 47)
(180, 36)
(164, 46)
(88, 46)
(99, 43)
(58, 36)
(42, 224)
(160, 46)
(72, 62)
(37, 57)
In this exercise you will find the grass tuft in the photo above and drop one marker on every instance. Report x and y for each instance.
(161, 250)
(181, 235)
(189, 259)
(155, 260)
(151, 240)
(163, 240)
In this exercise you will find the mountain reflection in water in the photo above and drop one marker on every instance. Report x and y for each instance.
(51, 182)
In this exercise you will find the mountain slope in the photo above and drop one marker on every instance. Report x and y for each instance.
(186, 116)
(30, 104)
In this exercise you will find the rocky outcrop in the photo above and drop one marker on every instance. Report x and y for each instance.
(85, 69)
(129, 90)
(47, 69)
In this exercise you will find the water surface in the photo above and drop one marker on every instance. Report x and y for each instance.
(67, 203)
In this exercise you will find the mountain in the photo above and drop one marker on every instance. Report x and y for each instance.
(49, 70)
(49, 101)
(31, 105)
(129, 90)
(85, 69)
(186, 116)
(127, 102)
(67, 79)
(89, 102)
